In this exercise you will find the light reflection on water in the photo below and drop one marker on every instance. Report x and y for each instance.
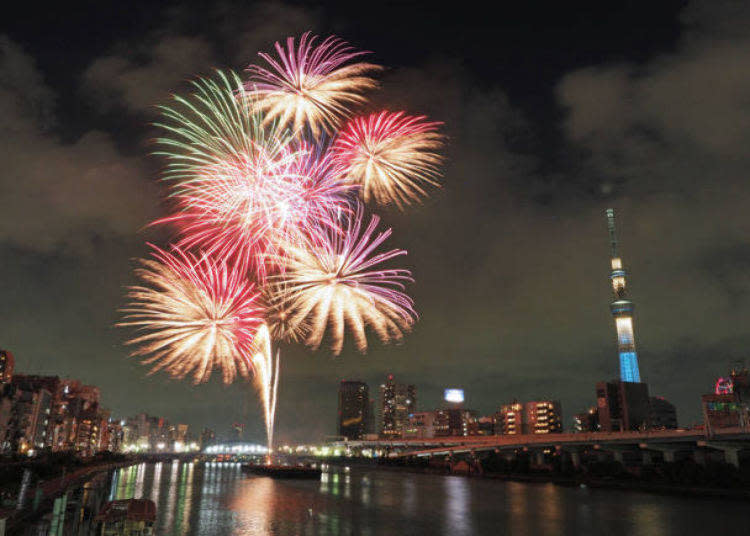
(218, 499)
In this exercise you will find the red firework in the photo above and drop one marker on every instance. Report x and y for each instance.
(390, 156)
(249, 208)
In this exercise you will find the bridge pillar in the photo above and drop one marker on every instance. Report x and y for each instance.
(539, 458)
(731, 451)
(570, 455)
(648, 457)
(699, 456)
(668, 452)
(732, 456)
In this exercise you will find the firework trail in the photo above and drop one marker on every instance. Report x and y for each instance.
(266, 379)
(390, 155)
(242, 189)
(199, 315)
(309, 84)
(332, 283)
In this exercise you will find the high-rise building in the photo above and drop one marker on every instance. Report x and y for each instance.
(354, 409)
(510, 419)
(534, 417)
(30, 413)
(6, 416)
(622, 406)
(588, 421)
(622, 310)
(421, 425)
(398, 401)
(543, 417)
(662, 414)
(486, 426)
(7, 362)
(53, 386)
(77, 418)
(453, 422)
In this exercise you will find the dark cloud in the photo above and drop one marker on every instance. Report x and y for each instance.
(510, 255)
(60, 194)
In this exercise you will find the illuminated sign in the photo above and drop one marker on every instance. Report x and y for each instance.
(454, 395)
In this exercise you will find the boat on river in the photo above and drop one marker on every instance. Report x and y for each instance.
(127, 517)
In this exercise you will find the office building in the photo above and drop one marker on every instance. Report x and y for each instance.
(622, 406)
(510, 419)
(7, 362)
(398, 401)
(543, 417)
(421, 425)
(587, 421)
(534, 417)
(354, 406)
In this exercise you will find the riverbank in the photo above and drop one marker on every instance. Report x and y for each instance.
(36, 497)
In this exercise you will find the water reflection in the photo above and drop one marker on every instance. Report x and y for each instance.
(217, 499)
(457, 505)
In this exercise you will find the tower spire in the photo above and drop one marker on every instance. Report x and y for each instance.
(612, 231)
(622, 310)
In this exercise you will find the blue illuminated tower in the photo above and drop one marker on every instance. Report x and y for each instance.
(622, 311)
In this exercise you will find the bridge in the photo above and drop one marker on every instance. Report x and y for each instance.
(236, 448)
(731, 442)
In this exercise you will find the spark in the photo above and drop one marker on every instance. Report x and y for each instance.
(309, 84)
(390, 156)
(199, 315)
(331, 283)
(241, 189)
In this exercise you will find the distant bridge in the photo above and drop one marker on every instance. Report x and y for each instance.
(235, 448)
(732, 442)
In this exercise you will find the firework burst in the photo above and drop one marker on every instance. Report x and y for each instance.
(390, 156)
(332, 283)
(241, 188)
(310, 84)
(198, 315)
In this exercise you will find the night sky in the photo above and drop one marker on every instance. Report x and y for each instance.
(552, 116)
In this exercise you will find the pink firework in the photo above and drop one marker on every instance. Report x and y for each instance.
(390, 156)
(198, 315)
(249, 209)
(309, 84)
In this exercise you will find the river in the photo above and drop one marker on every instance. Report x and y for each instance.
(218, 499)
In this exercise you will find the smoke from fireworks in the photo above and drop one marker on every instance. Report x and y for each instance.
(390, 155)
(310, 84)
(331, 282)
(198, 314)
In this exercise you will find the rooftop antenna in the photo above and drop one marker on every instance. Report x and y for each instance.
(612, 231)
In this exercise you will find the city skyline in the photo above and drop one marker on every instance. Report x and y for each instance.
(510, 257)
